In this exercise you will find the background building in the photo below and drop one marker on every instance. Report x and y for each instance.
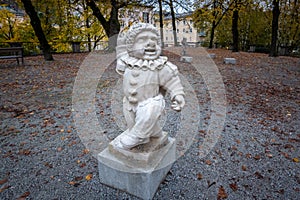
(184, 29)
(141, 13)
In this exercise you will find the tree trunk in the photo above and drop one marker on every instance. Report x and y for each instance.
(36, 25)
(161, 23)
(276, 13)
(212, 35)
(112, 26)
(173, 23)
(235, 31)
(87, 24)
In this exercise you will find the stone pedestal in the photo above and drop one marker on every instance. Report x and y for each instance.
(187, 59)
(140, 170)
(212, 55)
(230, 61)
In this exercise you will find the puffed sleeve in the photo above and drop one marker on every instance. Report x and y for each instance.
(169, 80)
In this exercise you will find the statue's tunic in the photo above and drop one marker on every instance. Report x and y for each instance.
(142, 83)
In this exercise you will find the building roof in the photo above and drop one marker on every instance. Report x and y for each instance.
(168, 16)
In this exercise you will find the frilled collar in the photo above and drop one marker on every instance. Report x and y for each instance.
(132, 62)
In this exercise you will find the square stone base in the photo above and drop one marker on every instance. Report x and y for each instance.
(141, 181)
(187, 59)
(230, 61)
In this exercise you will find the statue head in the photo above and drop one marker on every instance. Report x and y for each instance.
(143, 41)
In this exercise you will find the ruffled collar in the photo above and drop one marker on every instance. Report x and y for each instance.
(132, 62)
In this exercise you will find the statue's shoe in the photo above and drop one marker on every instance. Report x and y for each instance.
(127, 141)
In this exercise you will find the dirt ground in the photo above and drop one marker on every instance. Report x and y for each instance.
(257, 156)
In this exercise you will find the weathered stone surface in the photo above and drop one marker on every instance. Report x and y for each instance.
(144, 155)
(212, 55)
(144, 73)
(136, 173)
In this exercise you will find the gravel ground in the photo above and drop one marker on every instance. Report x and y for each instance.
(257, 156)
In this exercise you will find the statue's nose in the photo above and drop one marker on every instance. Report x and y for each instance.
(151, 43)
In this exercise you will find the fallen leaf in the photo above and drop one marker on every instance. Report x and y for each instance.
(4, 188)
(258, 175)
(208, 162)
(281, 191)
(86, 151)
(288, 146)
(72, 143)
(199, 176)
(233, 186)
(23, 196)
(3, 181)
(257, 157)
(234, 148)
(59, 149)
(244, 168)
(89, 177)
(75, 184)
(286, 155)
(48, 165)
(273, 140)
(78, 178)
(295, 160)
(222, 193)
(82, 165)
(269, 155)
(25, 152)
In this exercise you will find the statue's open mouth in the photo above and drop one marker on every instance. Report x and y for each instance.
(150, 51)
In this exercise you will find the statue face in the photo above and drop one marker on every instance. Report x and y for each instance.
(146, 46)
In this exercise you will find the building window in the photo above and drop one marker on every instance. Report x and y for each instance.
(166, 38)
(146, 17)
(184, 22)
(177, 30)
(191, 30)
(191, 22)
(183, 30)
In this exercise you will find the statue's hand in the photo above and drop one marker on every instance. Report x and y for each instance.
(178, 102)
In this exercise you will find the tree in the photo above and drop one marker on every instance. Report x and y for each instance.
(235, 31)
(36, 25)
(112, 25)
(237, 6)
(211, 12)
(170, 2)
(8, 25)
(276, 13)
(289, 26)
(161, 23)
(160, 13)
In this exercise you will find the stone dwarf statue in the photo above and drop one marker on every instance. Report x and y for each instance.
(145, 74)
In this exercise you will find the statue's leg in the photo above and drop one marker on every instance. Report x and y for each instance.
(147, 116)
(129, 114)
(146, 123)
